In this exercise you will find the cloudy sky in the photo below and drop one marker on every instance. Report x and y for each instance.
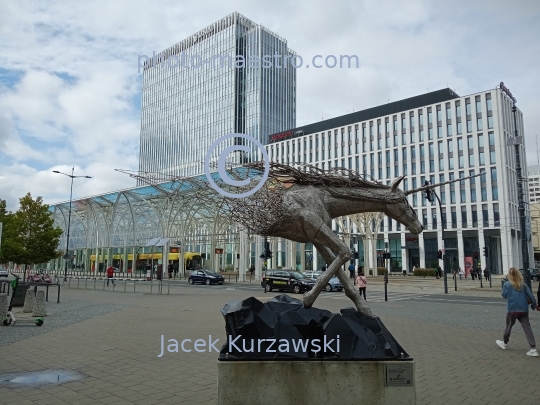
(70, 91)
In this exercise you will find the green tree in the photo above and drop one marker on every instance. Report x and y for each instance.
(5, 237)
(32, 237)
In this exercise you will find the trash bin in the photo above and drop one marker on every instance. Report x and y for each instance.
(20, 294)
(503, 280)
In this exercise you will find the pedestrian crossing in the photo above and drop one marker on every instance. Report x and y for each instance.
(377, 296)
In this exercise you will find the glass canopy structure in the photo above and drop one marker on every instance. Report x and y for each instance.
(116, 228)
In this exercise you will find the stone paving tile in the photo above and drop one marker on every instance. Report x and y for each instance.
(117, 355)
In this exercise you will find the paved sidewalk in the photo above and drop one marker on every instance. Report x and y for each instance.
(116, 350)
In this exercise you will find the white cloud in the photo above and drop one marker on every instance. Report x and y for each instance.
(69, 87)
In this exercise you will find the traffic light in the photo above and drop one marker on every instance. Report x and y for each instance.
(355, 255)
(439, 255)
(476, 255)
(485, 251)
(429, 192)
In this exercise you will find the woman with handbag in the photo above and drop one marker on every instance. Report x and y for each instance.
(519, 297)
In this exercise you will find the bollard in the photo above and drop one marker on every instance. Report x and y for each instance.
(29, 300)
(95, 279)
(103, 284)
(134, 284)
(78, 280)
(69, 282)
(386, 287)
(125, 285)
(168, 287)
(151, 284)
(39, 304)
(85, 281)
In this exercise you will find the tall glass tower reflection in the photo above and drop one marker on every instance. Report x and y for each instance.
(199, 90)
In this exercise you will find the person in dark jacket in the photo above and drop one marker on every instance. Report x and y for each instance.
(519, 297)
(486, 274)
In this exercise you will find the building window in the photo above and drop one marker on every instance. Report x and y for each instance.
(496, 215)
(412, 137)
(422, 151)
(491, 137)
(448, 130)
(431, 166)
(478, 104)
(463, 217)
(439, 132)
(459, 130)
(414, 200)
(474, 218)
(434, 218)
(405, 169)
(495, 192)
(430, 133)
(490, 122)
(421, 135)
(422, 167)
(463, 196)
(439, 114)
(458, 110)
(413, 168)
(469, 126)
(404, 138)
(388, 174)
(467, 107)
(479, 124)
(454, 219)
(492, 159)
(424, 219)
(429, 116)
(485, 216)
(412, 121)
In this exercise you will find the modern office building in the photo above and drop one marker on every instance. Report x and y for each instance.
(205, 87)
(533, 182)
(435, 137)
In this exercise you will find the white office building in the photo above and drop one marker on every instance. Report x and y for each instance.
(205, 87)
(533, 182)
(433, 137)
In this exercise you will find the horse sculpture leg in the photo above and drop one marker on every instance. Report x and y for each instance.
(350, 291)
(326, 237)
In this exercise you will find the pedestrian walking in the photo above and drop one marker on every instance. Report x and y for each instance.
(486, 274)
(461, 273)
(361, 282)
(170, 269)
(110, 275)
(252, 270)
(519, 297)
(351, 271)
(175, 268)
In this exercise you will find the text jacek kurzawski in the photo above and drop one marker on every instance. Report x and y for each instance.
(250, 345)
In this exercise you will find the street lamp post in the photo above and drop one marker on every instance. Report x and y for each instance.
(521, 203)
(66, 256)
(430, 192)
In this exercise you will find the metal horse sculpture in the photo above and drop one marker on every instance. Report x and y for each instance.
(300, 205)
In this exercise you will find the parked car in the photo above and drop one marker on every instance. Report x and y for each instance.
(535, 274)
(286, 280)
(3, 272)
(333, 284)
(205, 277)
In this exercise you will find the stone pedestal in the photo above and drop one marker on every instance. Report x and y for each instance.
(316, 382)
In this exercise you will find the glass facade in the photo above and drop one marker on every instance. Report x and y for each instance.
(186, 109)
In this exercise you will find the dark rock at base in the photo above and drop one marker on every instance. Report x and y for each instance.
(282, 329)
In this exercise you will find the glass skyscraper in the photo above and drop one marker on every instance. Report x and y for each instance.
(205, 87)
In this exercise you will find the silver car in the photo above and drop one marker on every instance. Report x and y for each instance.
(3, 272)
(333, 285)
